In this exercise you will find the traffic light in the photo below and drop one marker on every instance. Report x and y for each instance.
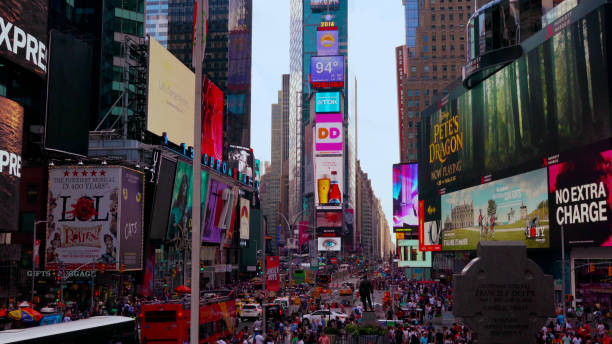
(122, 268)
(102, 268)
(591, 267)
(57, 297)
(201, 267)
(609, 270)
(259, 268)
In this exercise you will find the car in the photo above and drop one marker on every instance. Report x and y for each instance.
(273, 311)
(328, 315)
(250, 310)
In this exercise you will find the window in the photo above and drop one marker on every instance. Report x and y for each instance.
(435, 92)
(410, 103)
(435, 68)
(413, 69)
(411, 156)
(425, 48)
(461, 47)
(452, 37)
(453, 68)
(452, 47)
(426, 69)
(460, 8)
(410, 114)
(416, 93)
(442, 18)
(409, 93)
(427, 92)
(451, 17)
(411, 144)
(424, 38)
(443, 47)
(460, 16)
(468, 7)
(425, 77)
(426, 102)
(433, 1)
(433, 37)
(443, 37)
(462, 38)
(409, 124)
(416, 103)
(433, 17)
(433, 48)
(444, 68)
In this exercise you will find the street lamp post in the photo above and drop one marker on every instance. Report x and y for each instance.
(34, 256)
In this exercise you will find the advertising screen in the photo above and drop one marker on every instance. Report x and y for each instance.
(580, 199)
(23, 35)
(273, 273)
(324, 4)
(429, 232)
(329, 182)
(241, 158)
(327, 102)
(180, 212)
(94, 212)
(329, 219)
(215, 206)
(245, 215)
(327, 71)
(131, 216)
(327, 41)
(505, 121)
(212, 119)
(514, 208)
(162, 197)
(309, 132)
(11, 129)
(328, 138)
(329, 244)
(304, 236)
(411, 256)
(405, 196)
(70, 72)
(170, 101)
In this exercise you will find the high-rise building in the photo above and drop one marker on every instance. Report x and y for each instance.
(157, 20)
(371, 223)
(433, 63)
(401, 53)
(411, 8)
(295, 167)
(227, 59)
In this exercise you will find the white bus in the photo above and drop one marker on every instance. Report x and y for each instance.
(95, 330)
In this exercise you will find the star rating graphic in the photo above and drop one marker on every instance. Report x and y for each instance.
(84, 173)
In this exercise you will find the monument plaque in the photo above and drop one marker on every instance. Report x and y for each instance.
(502, 295)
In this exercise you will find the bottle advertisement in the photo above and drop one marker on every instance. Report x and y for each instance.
(329, 182)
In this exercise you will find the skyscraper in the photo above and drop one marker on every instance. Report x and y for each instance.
(433, 63)
(157, 20)
(227, 60)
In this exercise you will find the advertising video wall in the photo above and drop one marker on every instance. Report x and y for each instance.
(23, 33)
(327, 41)
(504, 149)
(212, 119)
(11, 131)
(411, 256)
(170, 106)
(405, 196)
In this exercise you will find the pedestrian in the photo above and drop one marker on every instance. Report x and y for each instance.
(323, 339)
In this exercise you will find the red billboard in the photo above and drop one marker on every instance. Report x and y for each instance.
(304, 236)
(212, 120)
(272, 276)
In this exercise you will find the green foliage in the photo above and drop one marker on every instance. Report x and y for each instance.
(331, 330)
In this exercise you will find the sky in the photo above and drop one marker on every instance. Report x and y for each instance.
(375, 28)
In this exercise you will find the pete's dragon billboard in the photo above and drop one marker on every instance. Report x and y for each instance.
(94, 214)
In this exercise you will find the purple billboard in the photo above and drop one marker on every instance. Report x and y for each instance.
(327, 41)
(327, 71)
(405, 196)
(211, 226)
(132, 212)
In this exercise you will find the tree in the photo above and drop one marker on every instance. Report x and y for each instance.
(492, 208)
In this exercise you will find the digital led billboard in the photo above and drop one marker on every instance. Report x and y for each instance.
(513, 208)
(23, 33)
(405, 196)
(411, 256)
(580, 201)
(324, 4)
(327, 41)
(212, 119)
(327, 71)
(328, 137)
(329, 244)
(327, 102)
(329, 182)
(170, 101)
(11, 131)
(241, 158)
(329, 219)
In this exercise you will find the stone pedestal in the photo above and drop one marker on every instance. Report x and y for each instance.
(369, 318)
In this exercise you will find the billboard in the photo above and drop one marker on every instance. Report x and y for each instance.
(241, 158)
(218, 208)
(70, 72)
(308, 159)
(212, 119)
(131, 218)
(327, 41)
(272, 273)
(405, 196)
(327, 102)
(93, 213)
(329, 244)
(329, 219)
(23, 35)
(180, 213)
(514, 208)
(329, 138)
(411, 256)
(11, 130)
(329, 182)
(580, 199)
(162, 199)
(245, 216)
(304, 236)
(429, 232)
(327, 71)
(505, 121)
(170, 100)
(324, 4)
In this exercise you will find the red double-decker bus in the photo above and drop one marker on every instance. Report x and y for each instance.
(168, 321)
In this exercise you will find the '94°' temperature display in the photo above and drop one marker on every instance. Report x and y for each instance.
(327, 71)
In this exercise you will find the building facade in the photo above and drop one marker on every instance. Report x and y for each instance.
(157, 20)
